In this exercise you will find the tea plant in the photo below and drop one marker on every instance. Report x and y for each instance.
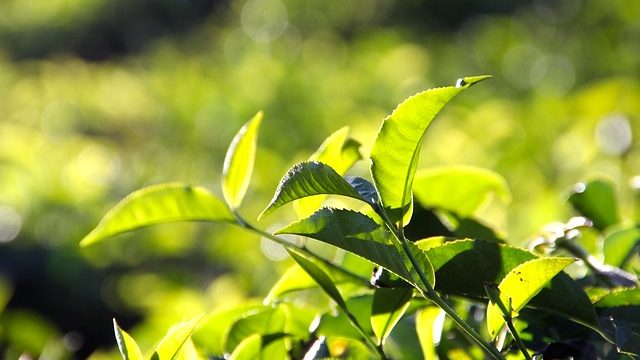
(397, 279)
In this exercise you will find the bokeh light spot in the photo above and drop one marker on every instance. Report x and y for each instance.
(10, 223)
(613, 134)
(264, 20)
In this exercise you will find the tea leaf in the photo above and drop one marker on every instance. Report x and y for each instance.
(126, 344)
(389, 304)
(320, 277)
(597, 201)
(172, 345)
(248, 349)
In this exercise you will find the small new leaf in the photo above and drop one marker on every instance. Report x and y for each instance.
(238, 162)
(126, 344)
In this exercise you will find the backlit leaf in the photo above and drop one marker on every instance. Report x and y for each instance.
(160, 204)
(340, 152)
(426, 327)
(294, 279)
(389, 304)
(597, 201)
(266, 321)
(320, 277)
(394, 156)
(618, 246)
(309, 179)
(520, 285)
(359, 234)
(459, 189)
(173, 344)
(126, 344)
(248, 349)
(238, 162)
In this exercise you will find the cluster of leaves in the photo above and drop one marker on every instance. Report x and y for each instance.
(389, 293)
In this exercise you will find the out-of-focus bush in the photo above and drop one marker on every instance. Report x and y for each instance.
(169, 93)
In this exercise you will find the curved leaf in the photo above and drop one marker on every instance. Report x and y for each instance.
(159, 204)
(238, 162)
(248, 349)
(621, 297)
(263, 322)
(126, 344)
(618, 246)
(429, 323)
(521, 285)
(389, 304)
(172, 345)
(359, 234)
(460, 189)
(308, 179)
(340, 152)
(293, 279)
(464, 266)
(394, 156)
(320, 277)
(597, 201)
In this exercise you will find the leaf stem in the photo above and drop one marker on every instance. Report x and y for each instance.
(432, 295)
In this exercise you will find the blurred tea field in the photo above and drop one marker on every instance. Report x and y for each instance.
(99, 98)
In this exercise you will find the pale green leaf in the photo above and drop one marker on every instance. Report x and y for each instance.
(340, 152)
(521, 284)
(248, 349)
(359, 234)
(389, 304)
(294, 279)
(320, 277)
(159, 204)
(620, 297)
(428, 328)
(394, 156)
(173, 344)
(619, 245)
(126, 344)
(309, 179)
(238, 162)
(462, 190)
(266, 321)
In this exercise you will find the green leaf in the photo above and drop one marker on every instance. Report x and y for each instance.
(238, 162)
(248, 349)
(621, 297)
(597, 201)
(340, 152)
(463, 267)
(462, 190)
(521, 285)
(172, 345)
(159, 204)
(294, 279)
(126, 344)
(266, 321)
(619, 246)
(627, 341)
(359, 234)
(320, 277)
(426, 320)
(389, 304)
(338, 325)
(309, 179)
(394, 156)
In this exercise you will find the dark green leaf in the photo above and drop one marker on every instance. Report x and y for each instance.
(360, 235)
(394, 156)
(459, 189)
(619, 246)
(388, 307)
(597, 201)
(308, 179)
(159, 204)
(627, 341)
(126, 344)
(238, 162)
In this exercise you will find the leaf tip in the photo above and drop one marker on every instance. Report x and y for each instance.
(467, 81)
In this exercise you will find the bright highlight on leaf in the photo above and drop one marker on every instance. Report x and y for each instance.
(126, 344)
(394, 157)
(159, 204)
(248, 349)
(389, 304)
(308, 179)
(176, 340)
(520, 285)
(238, 162)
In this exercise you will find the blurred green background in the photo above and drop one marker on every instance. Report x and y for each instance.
(99, 98)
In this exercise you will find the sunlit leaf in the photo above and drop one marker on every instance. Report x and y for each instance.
(426, 327)
(309, 179)
(597, 201)
(266, 321)
(621, 297)
(362, 236)
(460, 189)
(463, 267)
(248, 349)
(238, 162)
(338, 151)
(618, 246)
(394, 156)
(160, 204)
(126, 344)
(294, 279)
(320, 277)
(172, 345)
(389, 304)
(331, 324)
(520, 285)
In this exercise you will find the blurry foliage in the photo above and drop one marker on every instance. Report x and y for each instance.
(177, 78)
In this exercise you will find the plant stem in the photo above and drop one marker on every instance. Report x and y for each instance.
(377, 348)
(432, 295)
